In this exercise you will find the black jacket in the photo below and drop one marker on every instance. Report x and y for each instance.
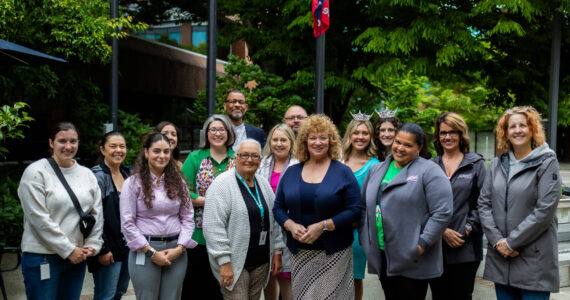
(466, 183)
(113, 240)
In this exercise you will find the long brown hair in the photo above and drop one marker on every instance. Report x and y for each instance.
(173, 181)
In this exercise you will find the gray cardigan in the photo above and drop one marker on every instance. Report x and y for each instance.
(522, 210)
(226, 224)
(416, 208)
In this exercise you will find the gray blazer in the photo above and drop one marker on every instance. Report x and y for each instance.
(416, 208)
(522, 210)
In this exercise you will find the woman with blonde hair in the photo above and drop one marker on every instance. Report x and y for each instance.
(277, 157)
(463, 238)
(517, 209)
(317, 202)
(359, 154)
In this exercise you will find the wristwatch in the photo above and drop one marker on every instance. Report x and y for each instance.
(325, 229)
(150, 252)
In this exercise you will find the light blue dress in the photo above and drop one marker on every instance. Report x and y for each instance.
(359, 257)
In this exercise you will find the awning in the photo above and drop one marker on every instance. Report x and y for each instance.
(11, 54)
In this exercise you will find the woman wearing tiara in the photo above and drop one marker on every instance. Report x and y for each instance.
(385, 130)
(359, 154)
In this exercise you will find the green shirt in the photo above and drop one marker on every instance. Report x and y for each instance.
(200, 170)
(388, 177)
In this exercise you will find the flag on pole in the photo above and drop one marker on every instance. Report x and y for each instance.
(320, 16)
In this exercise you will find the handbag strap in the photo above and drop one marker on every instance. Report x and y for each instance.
(66, 185)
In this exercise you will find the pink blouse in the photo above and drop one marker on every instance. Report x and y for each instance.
(166, 217)
(274, 180)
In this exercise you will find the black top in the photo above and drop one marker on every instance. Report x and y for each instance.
(256, 255)
(308, 213)
(113, 240)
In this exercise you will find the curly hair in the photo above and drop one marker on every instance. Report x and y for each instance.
(456, 122)
(382, 150)
(173, 181)
(322, 124)
(347, 145)
(534, 124)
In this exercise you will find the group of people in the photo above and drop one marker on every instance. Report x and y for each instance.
(296, 215)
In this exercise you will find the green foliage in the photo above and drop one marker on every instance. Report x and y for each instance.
(11, 214)
(77, 29)
(12, 120)
(268, 98)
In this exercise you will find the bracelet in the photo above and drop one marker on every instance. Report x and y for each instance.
(181, 246)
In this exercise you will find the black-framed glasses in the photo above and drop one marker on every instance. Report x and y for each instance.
(246, 156)
(236, 101)
(450, 133)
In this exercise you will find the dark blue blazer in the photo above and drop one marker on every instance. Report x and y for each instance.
(255, 133)
(337, 197)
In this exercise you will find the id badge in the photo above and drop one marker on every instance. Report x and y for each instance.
(140, 258)
(44, 271)
(262, 238)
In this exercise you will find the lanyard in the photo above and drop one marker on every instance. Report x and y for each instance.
(256, 199)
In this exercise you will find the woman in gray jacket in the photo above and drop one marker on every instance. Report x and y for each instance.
(407, 204)
(463, 238)
(517, 209)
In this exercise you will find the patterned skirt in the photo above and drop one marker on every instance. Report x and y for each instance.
(316, 275)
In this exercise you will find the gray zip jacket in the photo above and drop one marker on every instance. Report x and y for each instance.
(466, 183)
(416, 208)
(522, 210)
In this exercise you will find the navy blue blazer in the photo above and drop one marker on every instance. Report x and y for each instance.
(255, 133)
(337, 197)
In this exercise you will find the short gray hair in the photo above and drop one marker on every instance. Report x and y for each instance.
(204, 143)
(249, 141)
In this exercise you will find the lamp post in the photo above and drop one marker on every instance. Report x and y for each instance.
(211, 63)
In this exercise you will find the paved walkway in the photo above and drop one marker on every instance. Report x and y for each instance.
(15, 286)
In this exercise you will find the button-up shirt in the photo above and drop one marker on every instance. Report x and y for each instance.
(166, 217)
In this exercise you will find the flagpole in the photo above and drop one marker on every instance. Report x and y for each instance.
(320, 75)
(211, 60)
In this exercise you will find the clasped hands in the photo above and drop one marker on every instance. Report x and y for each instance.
(80, 254)
(504, 250)
(166, 256)
(306, 235)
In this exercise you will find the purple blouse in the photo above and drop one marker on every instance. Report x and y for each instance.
(166, 217)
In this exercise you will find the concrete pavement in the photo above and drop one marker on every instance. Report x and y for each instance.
(372, 290)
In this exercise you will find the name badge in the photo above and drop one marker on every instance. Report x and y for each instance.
(44, 271)
(262, 238)
(140, 258)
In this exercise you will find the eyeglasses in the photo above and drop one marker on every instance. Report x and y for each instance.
(298, 118)
(246, 156)
(217, 130)
(451, 133)
(236, 101)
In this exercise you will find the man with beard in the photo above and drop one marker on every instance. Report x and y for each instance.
(235, 107)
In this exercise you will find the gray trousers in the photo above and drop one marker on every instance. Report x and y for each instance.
(152, 282)
(248, 285)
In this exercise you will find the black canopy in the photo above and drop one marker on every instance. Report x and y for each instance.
(11, 54)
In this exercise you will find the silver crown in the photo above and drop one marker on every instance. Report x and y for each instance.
(360, 116)
(386, 113)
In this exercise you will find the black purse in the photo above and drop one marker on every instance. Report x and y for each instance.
(87, 221)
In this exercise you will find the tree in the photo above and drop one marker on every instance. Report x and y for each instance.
(12, 119)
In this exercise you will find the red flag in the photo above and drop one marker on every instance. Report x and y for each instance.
(320, 16)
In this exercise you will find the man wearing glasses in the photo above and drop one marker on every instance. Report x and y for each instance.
(235, 107)
(295, 116)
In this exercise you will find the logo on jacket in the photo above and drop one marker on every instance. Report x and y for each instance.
(412, 178)
(465, 176)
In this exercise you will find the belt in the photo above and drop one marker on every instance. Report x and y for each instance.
(161, 238)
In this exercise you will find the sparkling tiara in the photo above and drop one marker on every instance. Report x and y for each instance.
(386, 113)
(360, 116)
